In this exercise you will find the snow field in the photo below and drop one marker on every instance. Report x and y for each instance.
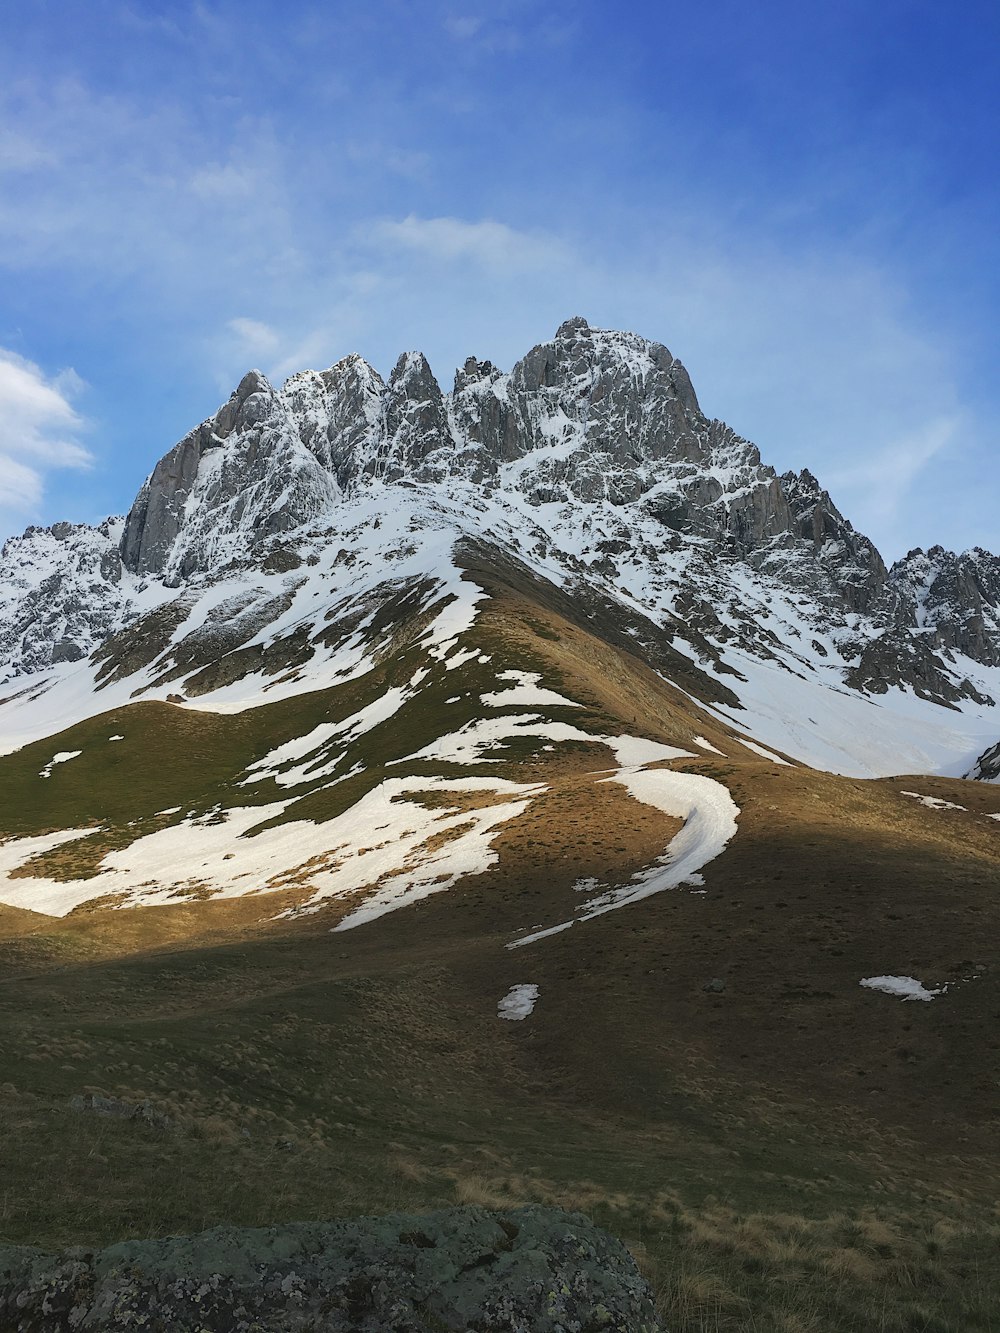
(388, 842)
(525, 691)
(933, 802)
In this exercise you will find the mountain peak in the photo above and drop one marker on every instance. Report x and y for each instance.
(592, 448)
(574, 327)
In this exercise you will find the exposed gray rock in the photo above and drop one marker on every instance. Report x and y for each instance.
(525, 1270)
(234, 482)
(418, 443)
(987, 766)
(604, 425)
(61, 594)
(339, 415)
(955, 599)
(853, 565)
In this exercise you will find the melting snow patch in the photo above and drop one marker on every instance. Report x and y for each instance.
(907, 988)
(460, 658)
(586, 885)
(707, 745)
(469, 745)
(389, 846)
(116, 738)
(525, 690)
(709, 814)
(933, 802)
(518, 1003)
(635, 751)
(62, 757)
(348, 730)
(993, 816)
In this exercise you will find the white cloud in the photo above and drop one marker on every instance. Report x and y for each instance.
(875, 486)
(489, 243)
(226, 181)
(38, 430)
(255, 337)
(463, 27)
(19, 152)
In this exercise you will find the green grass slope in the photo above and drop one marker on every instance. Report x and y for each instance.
(790, 1152)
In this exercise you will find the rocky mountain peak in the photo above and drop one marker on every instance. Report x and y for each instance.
(593, 447)
(954, 597)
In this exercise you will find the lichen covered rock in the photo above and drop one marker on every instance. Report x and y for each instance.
(526, 1270)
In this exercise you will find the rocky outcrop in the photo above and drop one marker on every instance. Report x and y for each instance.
(61, 594)
(461, 1268)
(850, 560)
(987, 766)
(955, 599)
(235, 481)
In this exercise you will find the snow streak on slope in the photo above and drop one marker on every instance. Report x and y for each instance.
(388, 843)
(406, 838)
(709, 814)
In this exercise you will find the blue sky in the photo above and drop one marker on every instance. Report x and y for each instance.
(799, 200)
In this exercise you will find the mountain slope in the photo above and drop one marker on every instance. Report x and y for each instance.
(387, 714)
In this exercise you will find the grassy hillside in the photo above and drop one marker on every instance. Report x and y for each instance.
(782, 1149)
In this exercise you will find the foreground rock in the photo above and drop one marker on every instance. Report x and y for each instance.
(527, 1270)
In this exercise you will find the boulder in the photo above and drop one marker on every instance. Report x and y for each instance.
(525, 1270)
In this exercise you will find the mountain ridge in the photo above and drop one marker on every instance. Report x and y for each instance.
(591, 458)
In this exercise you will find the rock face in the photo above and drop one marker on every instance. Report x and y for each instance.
(498, 1272)
(240, 477)
(955, 599)
(592, 458)
(987, 766)
(61, 593)
(591, 416)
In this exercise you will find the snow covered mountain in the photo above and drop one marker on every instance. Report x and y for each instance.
(592, 465)
(443, 783)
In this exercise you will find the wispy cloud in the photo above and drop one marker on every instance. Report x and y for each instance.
(510, 27)
(39, 430)
(876, 485)
(488, 242)
(463, 27)
(255, 337)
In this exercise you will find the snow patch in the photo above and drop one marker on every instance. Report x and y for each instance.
(518, 1003)
(62, 757)
(709, 813)
(347, 730)
(388, 845)
(907, 988)
(933, 802)
(703, 744)
(525, 690)
(764, 754)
